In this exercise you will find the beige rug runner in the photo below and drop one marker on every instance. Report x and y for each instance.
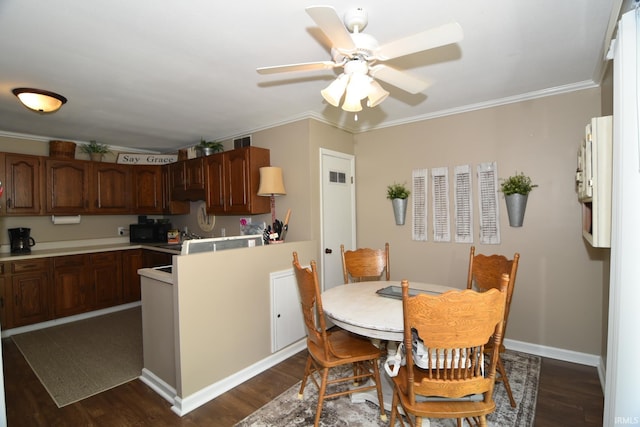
(286, 410)
(80, 359)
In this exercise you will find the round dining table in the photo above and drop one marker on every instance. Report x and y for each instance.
(358, 308)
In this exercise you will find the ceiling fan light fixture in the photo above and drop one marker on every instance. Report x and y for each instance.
(38, 100)
(376, 94)
(333, 93)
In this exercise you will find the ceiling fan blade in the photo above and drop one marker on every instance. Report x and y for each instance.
(399, 79)
(306, 66)
(330, 23)
(425, 40)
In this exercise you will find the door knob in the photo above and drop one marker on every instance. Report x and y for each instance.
(327, 251)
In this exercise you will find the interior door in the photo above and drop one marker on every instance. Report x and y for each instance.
(338, 212)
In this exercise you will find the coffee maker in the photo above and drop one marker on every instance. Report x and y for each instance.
(20, 240)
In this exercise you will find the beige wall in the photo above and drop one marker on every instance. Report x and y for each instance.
(558, 295)
(224, 312)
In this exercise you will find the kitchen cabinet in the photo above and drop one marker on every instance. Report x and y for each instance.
(171, 205)
(71, 289)
(188, 179)
(28, 299)
(110, 188)
(22, 184)
(233, 178)
(147, 189)
(3, 296)
(66, 186)
(131, 263)
(105, 275)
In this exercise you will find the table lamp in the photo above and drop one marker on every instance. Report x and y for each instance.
(271, 184)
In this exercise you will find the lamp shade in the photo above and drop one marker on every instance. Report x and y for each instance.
(333, 93)
(376, 94)
(41, 101)
(271, 182)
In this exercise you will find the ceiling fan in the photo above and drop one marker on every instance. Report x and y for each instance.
(359, 55)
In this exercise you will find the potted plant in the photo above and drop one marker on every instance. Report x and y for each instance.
(95, 150)
(398, 194)
(516, 189)
(206, 148)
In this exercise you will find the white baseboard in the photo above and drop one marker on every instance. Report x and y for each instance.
(22, 329)
(158, 385)
(183, 406)
(554, 353)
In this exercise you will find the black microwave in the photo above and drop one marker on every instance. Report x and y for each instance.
(148, 233)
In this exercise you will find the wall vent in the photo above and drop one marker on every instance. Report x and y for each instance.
(243, 141)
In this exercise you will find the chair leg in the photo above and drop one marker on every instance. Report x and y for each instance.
(321, 393)
(482, 421)
(376, 373)
(505, 381)
(307, 372)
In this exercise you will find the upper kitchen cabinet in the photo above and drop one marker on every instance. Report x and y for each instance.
(22, 184)
(67, 186)
(233, 178)
(187, 178)
(147, 189)
(110, 190)
(170, 205)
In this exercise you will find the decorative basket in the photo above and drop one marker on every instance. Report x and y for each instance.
(62, 149)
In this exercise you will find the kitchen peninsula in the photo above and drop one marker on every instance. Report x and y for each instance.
(207, 325)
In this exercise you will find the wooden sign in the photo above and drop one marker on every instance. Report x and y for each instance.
(146, 159)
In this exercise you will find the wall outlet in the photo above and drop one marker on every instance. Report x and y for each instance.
(122, 231)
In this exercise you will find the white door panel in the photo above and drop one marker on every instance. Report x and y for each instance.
(338, 212)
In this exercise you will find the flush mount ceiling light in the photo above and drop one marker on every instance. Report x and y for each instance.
(41, 101)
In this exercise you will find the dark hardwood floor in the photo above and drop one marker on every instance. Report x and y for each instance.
(569, 395)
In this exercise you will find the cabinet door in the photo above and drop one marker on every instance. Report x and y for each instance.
(177, 180)
(242, 179)
(111, 188)
(67, 186)
(194, 171)
(30, 292)
(22, 187)
(170, 205)
(131, 263)
(147, 189)
(106, 276)
(214, 172)
(4, 299)
(71, 288)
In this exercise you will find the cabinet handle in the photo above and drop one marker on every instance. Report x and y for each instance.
(1, 302)
(9, 202)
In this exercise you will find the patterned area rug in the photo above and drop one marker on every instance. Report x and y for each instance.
(286, 410)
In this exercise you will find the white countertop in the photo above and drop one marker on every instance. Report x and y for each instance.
(66, 249)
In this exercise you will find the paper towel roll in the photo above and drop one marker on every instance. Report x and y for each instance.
(73, 219)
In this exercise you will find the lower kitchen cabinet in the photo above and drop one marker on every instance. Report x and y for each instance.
(131, 263)
(28, 299)
(41, 289)
(105, 274)
(71, 289)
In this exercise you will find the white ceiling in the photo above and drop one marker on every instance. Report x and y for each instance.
(161, 74)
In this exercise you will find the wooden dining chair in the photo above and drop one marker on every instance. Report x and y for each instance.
(448, 378)
(485, 272)
(331, 349)
(365, 264)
